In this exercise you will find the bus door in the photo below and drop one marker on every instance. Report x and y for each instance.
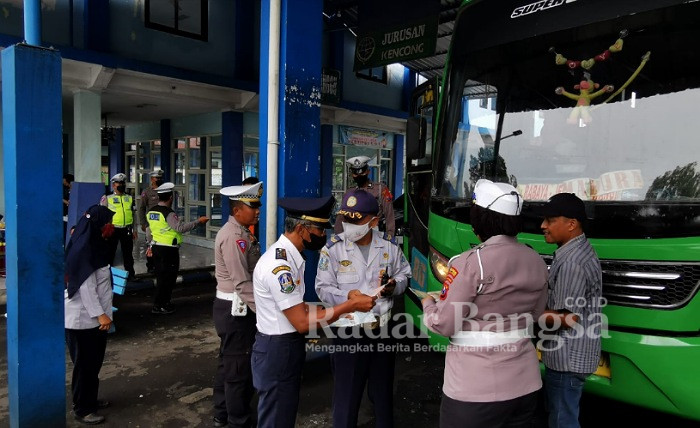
(419, 179)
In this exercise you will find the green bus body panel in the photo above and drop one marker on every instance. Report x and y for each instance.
(655, 371)
(658, 372)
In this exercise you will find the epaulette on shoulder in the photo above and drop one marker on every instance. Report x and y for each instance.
(391, 238)
(334, 239)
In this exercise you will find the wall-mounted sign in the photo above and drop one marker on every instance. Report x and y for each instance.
(331, 86)
(381, 41)
(365, 137)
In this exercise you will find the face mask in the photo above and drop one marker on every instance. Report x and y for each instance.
(355, 232)
(316, 243)
(360, 180)
(121, 188)
(107, 230)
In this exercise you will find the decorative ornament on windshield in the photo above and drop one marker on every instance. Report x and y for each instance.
(588, 89)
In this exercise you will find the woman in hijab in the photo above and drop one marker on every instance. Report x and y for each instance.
(88, 304)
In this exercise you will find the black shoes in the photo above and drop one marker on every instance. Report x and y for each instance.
(162, 310)
(218, 422)
(90, 419)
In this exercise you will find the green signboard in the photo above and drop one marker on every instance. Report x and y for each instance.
(404, 42)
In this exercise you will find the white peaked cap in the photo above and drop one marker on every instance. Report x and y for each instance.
(119, 177)
(165, 187)
(245, 193)
(358, 161)
(499, 197)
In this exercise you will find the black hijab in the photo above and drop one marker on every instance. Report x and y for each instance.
(87, 250)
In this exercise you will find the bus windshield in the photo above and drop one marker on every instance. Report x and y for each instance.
(606, 111)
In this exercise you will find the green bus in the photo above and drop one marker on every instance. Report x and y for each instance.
(595, 98)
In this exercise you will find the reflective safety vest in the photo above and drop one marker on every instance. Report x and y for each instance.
(122, 206)
(162, 233)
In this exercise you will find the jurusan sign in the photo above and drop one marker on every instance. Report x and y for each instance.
(537, 6)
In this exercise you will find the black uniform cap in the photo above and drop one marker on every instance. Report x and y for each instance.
(314, 210)
(565, 205)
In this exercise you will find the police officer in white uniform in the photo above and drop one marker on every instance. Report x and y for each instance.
(236, 252)
(359, 168)
(123, 207)
(282, 316)
(360, 260)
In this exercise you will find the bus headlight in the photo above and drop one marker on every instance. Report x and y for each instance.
(438, 264)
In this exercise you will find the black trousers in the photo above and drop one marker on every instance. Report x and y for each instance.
(358, 363)
(516, 413)
(277, 365)
(167, 263)
(87, 351)
(123, 236)
(233, 383)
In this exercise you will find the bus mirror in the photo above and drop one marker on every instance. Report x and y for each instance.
(416, 128)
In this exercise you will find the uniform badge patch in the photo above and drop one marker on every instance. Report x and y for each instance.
(323, 262)
(280, 254)
(451, 275)
(387, 194)
(345, 263)
(286, 283)
(242, 244)
(279, 269)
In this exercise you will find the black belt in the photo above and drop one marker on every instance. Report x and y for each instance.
(285, 336)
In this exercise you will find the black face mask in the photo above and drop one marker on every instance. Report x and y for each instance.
(316, 243)
(121, 188)
(159, 182)
(360, 180)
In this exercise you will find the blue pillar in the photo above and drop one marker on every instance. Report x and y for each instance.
(31, 108)
(409, 84)
(231, 154)
(326, 160)
(116, 152)
(32, 22)
(398, 165)
(262, 114)
(299, 99)
(166, 144)
(299, 166)
(300, 109)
